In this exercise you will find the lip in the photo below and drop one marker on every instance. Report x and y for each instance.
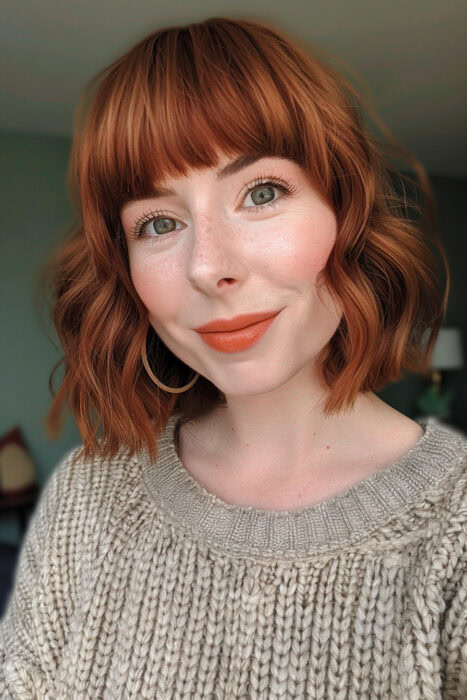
(235, 324)
(238, 340)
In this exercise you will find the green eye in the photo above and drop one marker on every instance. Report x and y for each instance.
(260, 200)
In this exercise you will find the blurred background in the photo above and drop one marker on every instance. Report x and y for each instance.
(410, 59)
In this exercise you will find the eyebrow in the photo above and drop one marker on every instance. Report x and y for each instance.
(231, 168)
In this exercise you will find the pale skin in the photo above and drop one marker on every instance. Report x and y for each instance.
(214, 257)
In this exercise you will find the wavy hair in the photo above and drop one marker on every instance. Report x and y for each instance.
(172, 102)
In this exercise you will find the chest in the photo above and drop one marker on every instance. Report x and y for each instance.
(156, 621)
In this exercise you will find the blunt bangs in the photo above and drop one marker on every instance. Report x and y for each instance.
(193, 95)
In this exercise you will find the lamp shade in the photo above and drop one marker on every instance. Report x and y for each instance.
(447, 352)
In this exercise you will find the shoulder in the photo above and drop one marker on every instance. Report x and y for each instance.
(450, 445)
(93, 493)
(93, 473)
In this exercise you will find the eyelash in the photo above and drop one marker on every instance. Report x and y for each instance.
(286, 188)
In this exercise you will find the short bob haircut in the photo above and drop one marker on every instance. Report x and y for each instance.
(172, 102)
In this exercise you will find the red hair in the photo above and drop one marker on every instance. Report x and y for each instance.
(174, 101)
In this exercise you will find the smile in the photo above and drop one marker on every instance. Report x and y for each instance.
(237, 341)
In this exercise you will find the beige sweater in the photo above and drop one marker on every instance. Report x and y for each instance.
(134, 581)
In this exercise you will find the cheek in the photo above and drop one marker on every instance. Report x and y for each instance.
(160, 292)
(305, 248)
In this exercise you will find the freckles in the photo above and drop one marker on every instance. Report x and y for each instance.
(300, 244)
(156, 271)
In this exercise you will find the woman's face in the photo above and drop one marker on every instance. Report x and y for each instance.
(218, 247)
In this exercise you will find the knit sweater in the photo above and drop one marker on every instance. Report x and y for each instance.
(134, 581)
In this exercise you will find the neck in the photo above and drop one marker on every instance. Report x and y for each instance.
(280, 449)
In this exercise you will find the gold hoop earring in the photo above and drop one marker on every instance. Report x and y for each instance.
(144, 358)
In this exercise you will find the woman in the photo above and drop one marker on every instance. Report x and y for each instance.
(252, 521)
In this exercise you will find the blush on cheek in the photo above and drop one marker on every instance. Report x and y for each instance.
(321, 239)
(314, 258)
(310, 252)
(161, 297)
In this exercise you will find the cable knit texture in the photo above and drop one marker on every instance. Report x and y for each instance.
(134, 581)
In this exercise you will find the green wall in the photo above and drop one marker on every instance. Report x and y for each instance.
(35, 209)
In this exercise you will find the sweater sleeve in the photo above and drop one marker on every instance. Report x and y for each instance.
(22, 672)
(454, 642)
(454, 625)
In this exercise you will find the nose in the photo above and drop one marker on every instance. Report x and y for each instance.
(216, 257)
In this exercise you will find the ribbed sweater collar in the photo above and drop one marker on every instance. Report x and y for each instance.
(331, 524)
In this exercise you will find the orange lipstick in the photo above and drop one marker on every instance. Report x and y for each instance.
(237, 340)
